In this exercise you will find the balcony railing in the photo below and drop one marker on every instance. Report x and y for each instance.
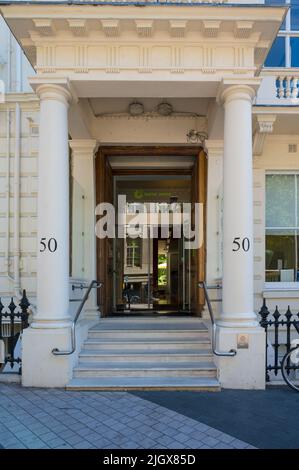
(287, 86)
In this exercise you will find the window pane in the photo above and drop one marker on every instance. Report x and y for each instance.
(134, 252)
(295, 52)
(276, 56)
(280, 256)
(295, 15)
(280, 201)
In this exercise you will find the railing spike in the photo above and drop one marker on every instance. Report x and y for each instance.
(24, 303)
(12, 306)
(288, 314)
(276, 313)
(264, 312)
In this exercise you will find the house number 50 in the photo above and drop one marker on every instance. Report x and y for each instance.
(241, 244)
(50, 245)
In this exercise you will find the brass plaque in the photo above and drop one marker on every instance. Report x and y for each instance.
(243, 341)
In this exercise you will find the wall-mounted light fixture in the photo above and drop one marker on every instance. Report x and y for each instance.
(164, 109)
(136, 108)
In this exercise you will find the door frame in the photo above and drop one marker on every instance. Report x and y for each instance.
(101, 163)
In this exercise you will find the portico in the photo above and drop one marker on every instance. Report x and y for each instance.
(91, 63)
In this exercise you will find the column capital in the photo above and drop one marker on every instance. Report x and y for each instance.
(49, 89)
(83, 147)
(236, 89)
(214, 147)
(53, 92)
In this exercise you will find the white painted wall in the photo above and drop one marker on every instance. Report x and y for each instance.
(29, 116)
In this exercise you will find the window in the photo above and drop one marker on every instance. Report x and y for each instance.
(294, 44)
(276, 56)
(134, 249)
(282, 228)
(285, 48)
(295, 15)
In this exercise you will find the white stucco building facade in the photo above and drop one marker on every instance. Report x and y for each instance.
(68, 135)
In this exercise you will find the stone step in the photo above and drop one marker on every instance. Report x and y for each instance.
(145, 383)
(141, 369)
(160, 323)
(103, 344)
(149, 334)
(145, 355)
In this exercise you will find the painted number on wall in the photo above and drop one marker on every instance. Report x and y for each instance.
(241, 244)
(50, 245)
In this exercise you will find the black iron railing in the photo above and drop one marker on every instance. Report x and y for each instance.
(282, 326)
(13, 320)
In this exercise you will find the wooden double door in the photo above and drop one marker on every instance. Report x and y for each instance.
(106, 264)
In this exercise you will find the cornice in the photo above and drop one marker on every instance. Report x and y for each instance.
(46, 30)
(188, 9)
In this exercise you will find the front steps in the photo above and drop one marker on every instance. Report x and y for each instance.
(146, 354)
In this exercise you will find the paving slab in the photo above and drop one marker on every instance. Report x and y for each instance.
(59, 419)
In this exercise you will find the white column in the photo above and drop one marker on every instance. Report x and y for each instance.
(237, 305)
(238, 325)
(51, 323)
(53, 209)
(83, 212)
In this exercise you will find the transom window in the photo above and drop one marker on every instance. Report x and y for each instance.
(282, 228)
(285, 49)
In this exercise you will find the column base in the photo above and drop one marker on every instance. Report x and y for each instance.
(40, 368)
(51, 324)
(246, 370)
(243, 320)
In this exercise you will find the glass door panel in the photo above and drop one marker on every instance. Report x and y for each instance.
(133, 273)
(151, 266)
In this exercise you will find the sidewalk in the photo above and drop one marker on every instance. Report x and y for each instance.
(59, 419)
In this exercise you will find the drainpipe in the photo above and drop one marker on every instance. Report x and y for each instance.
(9, 63)
(16, 223)
(7, 259)
(7, 189)
(17, 286)
(18, 53)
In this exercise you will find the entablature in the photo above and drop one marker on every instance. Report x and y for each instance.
(193, 40)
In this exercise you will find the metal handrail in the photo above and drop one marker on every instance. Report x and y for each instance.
(230, 353)
(92, 285)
